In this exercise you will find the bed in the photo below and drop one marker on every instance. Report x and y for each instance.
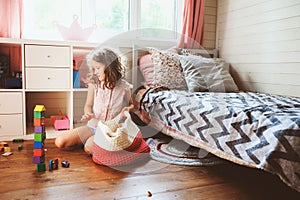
(197, 101)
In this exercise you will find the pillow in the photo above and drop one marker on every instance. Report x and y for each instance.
(207, 74)
(167, 70)
(147, 68)
(195, 52)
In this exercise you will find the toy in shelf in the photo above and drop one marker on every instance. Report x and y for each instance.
(39, 137)
(76, 75)
(80, 70)
(4, 68)
(14, 81)
(61, 122)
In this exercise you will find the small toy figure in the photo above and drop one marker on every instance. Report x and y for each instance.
(65, 164)
(50, 165)
(2, 145)
(53, 164)
(20, 147)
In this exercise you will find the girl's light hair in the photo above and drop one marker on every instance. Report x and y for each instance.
(113, 71)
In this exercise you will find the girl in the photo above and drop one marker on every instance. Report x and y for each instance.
(108, 95)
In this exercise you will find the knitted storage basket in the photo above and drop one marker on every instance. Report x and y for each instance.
(118, 144)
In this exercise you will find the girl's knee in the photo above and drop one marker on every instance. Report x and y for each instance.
(88, 145)
(59, 142)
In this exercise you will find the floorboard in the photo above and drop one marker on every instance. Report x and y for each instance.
(86, 180)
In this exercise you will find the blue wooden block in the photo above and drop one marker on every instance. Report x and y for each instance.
(37, 145)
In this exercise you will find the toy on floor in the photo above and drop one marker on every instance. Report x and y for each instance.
(20, 147)
(5, 148)
(3, 145)
(53, 164)
(65, 164)
(18, 140)
(39, 137)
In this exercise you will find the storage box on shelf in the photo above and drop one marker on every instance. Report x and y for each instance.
(11, 117)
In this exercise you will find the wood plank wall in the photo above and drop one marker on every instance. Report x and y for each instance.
(261, 41)
(210, 24)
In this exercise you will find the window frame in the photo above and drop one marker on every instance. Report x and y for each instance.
(134, 19)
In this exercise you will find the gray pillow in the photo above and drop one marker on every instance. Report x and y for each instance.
(207, 74)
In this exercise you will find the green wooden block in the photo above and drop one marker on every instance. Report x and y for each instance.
(38, 137)
(37, 114)
(41, 167)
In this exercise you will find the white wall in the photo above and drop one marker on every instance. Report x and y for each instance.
(261, 40)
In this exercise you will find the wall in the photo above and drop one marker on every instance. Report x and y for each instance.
(261, 41)
(210, 21)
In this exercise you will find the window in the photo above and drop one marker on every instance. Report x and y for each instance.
(109, 17)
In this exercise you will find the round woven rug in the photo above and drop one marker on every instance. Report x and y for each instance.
(180, 153)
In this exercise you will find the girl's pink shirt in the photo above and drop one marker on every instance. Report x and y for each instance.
(109, 103)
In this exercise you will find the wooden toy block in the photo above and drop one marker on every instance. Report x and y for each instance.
(41, 167)
(38, 137)
(38, 114)
(7, 149)
(38, 152)
(2, 145)
(38, 159)
(38, 122)
(37, 145)
(39, 129)
(39, 111)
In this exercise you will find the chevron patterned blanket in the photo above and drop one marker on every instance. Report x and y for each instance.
(251, 129)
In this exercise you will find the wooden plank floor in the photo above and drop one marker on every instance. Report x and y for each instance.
(86, 180)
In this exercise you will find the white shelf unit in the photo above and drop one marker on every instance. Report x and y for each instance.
(47, 78)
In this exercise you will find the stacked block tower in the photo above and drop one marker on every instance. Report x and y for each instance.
(39, 137)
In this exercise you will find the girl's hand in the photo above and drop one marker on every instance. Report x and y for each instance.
(123, 117)
(86, 117)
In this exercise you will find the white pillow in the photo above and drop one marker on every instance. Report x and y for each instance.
(207, 74)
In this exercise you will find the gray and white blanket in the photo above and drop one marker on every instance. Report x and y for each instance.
(251, 129)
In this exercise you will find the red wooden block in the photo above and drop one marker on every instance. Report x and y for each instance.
(38, 152)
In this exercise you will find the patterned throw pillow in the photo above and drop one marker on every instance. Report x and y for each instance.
(167, 70)
(207, 74)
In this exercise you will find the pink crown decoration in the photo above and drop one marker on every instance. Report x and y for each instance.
(75, 31)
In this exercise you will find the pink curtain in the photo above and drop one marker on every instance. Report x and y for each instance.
(193, 24)
(11, 27)
(11, 18)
